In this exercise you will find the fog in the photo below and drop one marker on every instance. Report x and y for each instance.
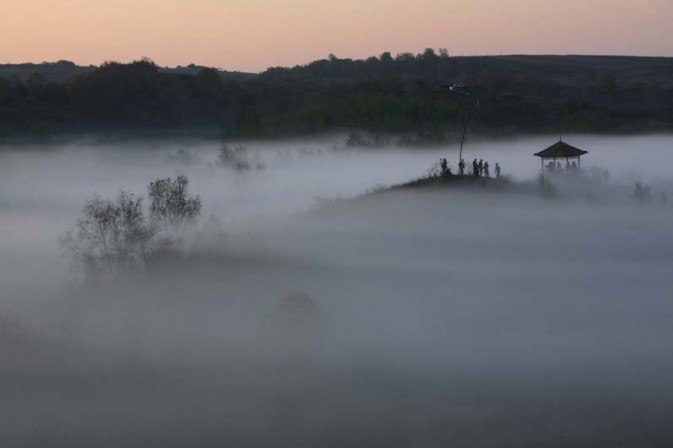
(418, 317)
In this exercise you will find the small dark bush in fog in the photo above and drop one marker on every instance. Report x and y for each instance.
(170, 203)
(641, 192)
(238, 158)
(360, 141)
(112, 235)
(546, 187)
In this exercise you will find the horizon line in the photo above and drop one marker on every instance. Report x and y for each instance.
(450, 56)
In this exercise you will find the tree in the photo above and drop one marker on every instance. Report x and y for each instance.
(546, 188)
(170, 203)
(114, 236)
(429, 53)
(641, 192)
(386, 57)
(111, 236)
(234, 157)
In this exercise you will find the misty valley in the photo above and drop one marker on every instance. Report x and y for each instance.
(307, 292)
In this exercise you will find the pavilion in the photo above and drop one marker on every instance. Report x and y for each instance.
(561, 150)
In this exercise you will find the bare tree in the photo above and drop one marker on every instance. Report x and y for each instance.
(170, 203)
(111, 236)
(642, 192)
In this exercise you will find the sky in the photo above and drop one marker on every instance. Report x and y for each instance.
(252, 35)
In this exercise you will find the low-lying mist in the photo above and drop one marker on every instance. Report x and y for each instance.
(407, 317)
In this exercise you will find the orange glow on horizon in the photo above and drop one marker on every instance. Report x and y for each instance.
(251, 35)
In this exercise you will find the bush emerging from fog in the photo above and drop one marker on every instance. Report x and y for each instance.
(238, 158)
(360, 141)
(641, 192)
(114, 235)
(546, 188)
(170, 203)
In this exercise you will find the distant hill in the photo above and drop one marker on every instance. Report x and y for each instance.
(59, 71)
(62, 70)
(425, 96)
(566, 70)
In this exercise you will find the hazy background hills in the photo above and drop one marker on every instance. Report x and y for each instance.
(426, 96)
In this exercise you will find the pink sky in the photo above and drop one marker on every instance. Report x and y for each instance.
(251, 35)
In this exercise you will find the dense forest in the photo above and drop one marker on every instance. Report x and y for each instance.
(427, 96)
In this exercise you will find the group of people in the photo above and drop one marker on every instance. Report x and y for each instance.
(571, 168)
(479, 168)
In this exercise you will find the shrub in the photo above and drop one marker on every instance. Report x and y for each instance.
(641, 192)
(170, 203)
(546, 187)
(112, 235)
(236, 158)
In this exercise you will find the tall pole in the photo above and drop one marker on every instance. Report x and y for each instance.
(462, 140)
(467, 123)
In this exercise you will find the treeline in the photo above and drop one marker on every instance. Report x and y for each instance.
(428, 95)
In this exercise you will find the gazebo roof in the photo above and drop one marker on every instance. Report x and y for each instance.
(560, 150)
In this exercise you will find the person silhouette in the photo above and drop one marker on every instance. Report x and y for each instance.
(486, 172)
(475, 168)
(497, 170)
(461, 167)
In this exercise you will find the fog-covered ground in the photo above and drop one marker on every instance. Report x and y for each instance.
(441, 317)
